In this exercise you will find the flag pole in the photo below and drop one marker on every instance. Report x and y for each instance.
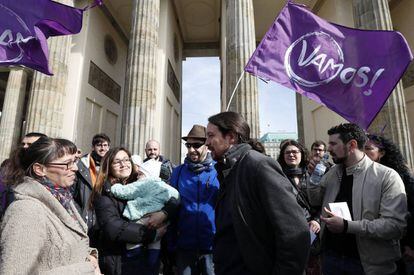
(234, 91)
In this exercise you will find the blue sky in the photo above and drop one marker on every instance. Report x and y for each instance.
(201, 98)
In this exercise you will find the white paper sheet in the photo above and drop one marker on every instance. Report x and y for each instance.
(341, 209)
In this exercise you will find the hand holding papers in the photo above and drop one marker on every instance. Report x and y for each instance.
(334, 221)
(340, 209)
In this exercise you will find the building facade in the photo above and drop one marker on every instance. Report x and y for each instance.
(272, 140)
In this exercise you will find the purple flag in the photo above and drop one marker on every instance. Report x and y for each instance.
(351, 71)
(26, 24)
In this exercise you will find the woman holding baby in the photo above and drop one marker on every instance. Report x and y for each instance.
(116, 231)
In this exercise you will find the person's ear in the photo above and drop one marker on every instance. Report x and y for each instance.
(39, 169)
(232, 138)
(381, 154)
(353, 145)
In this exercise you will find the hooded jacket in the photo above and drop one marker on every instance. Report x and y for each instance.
(194, 228)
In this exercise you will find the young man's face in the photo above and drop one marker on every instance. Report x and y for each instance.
(318, 151)
(338, 150)
(27, 141)
(216, 142)
(101, 148)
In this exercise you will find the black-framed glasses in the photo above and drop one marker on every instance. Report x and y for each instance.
(118, 162)
(102, 145)
(295, 152)
(194, 145)
(69, 164)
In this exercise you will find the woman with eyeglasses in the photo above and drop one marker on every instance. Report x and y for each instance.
(116, 231)
(42, 232)
(293, 158)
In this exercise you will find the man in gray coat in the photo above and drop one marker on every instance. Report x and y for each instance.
(368, 241)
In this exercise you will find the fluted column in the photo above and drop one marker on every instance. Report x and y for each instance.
(47, 94)
(375, 15)
(240, 44)
(11, 116)
(139, 103)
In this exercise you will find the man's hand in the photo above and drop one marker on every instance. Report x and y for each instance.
(314, 226)
(156, 219)
(334, 223)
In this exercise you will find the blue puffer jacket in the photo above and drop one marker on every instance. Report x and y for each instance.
(194, 228)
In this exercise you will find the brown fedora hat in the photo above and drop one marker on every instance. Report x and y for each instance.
(197, 131)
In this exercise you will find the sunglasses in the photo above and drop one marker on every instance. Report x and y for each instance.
(194, 145)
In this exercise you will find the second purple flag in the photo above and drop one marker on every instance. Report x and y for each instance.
(351, 71)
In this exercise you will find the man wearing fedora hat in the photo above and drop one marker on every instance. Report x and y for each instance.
(197, 183)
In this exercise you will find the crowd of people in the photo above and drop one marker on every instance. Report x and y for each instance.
(228, 209)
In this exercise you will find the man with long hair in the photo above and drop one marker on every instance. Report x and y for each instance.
(257, 217)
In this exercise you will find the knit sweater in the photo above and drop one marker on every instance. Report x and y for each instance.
(144, 196)
(38, 236)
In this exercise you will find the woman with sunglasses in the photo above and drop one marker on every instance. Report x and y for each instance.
(116, 231)
(42, 232)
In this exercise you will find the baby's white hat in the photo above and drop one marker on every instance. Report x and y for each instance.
(136, 159)
(151, 168)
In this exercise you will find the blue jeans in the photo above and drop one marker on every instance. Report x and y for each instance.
(141, 261)
(336, 264)
(190, 262)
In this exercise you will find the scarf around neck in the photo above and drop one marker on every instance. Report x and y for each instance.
(62, 194)
(96, 158)
(198, 167)
(294, 171)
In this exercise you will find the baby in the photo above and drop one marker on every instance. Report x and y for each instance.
(146, 195)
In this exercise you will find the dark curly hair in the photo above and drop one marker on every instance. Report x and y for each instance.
(349, 131)
(303, 151)
(392, 157)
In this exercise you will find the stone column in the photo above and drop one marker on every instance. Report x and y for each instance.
(11, 116)
(375, 15)
(139, 101)
(240, 44)
(47, 94)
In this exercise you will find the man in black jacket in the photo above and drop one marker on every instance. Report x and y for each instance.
(88, 169)
(260, 228)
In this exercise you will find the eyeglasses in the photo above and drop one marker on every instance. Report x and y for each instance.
(69, 164)
(295, 152)
(194, 145)
(119, 162)
(102, 145)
